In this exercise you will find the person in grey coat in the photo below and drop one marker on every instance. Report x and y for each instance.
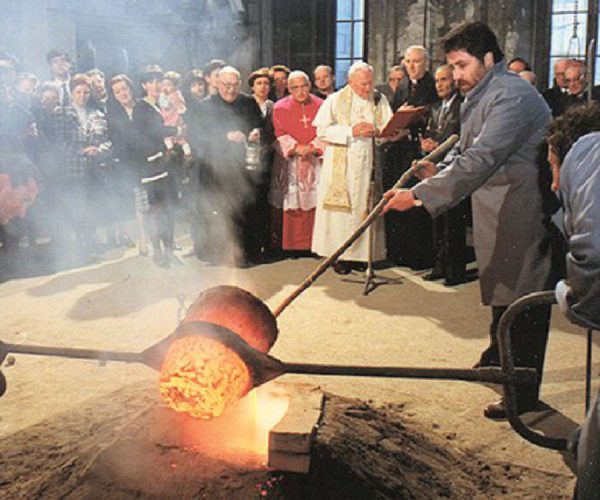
(574, 157)
(577, 176)
(503, 121)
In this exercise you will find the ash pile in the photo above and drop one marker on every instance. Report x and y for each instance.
(129, 445)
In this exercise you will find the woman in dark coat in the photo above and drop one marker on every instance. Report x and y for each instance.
(123, 136)
(156, 182)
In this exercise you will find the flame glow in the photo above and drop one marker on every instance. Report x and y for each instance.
(243, 427)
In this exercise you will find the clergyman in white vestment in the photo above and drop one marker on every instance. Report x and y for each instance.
(347, 121)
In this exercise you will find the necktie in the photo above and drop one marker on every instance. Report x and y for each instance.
(66, 98)
(443, 113)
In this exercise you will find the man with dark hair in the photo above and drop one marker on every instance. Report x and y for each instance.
(518, 64)
(504, 119)
(99, 97)
(279, 76)
(60, 67)
(395, 75)
(211, 74)
(573, 152)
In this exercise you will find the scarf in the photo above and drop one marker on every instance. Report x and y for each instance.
(337, 197)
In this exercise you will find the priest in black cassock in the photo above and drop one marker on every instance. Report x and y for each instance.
(232, 206)
(409, 239)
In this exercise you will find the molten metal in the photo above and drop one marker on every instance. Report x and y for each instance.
(202, 377)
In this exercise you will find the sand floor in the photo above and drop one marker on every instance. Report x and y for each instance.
(125, 302)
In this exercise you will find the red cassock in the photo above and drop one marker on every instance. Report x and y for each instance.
(294, 178)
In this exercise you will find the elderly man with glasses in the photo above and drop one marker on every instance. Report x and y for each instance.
(229, 126)
(297, 166)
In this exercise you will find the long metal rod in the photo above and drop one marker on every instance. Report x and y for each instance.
(489, 375)
(588, 370)
(435, 155)
(68, 352)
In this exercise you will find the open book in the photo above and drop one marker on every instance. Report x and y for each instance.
(403, 118)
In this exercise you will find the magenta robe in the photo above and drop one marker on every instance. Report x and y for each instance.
(294, 179)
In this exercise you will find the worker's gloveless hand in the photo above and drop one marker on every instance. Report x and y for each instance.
(399, 200)
(426, 169)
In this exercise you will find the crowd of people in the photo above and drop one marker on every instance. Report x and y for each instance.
(293, 169)
(245, 170)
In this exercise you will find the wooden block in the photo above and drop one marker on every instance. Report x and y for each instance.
(296, 430)
(289, 462)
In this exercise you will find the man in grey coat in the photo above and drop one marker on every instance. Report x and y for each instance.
(503, 121)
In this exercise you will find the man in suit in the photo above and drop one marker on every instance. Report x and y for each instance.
(556, 96)
(395, 75)
(449, 228)
(578, 85)
(324, 81)
(60, 67)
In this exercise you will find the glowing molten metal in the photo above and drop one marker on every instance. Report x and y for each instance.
(202, 377)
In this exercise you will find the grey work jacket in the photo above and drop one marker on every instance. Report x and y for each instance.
(580, 193)
(503, 121)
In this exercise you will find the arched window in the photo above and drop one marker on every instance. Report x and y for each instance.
(349, 39)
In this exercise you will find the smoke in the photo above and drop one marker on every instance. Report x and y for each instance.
(123, 36)
(117, 36)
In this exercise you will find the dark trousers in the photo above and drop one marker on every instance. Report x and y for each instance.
(161, 224)
(450, 245)
(408, 235)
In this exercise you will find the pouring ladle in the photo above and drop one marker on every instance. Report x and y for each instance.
(264, 367)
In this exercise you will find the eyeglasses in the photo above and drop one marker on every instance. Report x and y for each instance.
(230, 86)
(574, 80)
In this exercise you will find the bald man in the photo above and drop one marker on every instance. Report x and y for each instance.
(556, 96)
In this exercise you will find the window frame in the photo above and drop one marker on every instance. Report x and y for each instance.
(353, 56)
(591, 13)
